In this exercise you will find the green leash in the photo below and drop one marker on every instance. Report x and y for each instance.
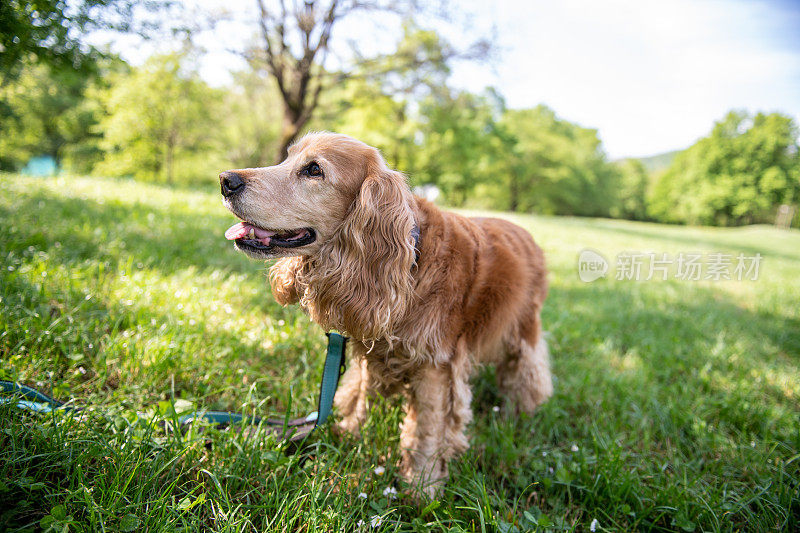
(30, 399)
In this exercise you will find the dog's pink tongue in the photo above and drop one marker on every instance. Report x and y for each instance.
(237, 231)
(243, 229)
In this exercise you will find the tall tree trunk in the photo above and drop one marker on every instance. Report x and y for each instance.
(298, 81)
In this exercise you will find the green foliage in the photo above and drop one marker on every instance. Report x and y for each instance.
(739, 174)
(470, 146)
(250, 122)
(631, 190)
(418, 67)
(40, 28)
(380, 102)
(160, 123)
(360, 108)
(47, 113)
(50, 32)
(555, 166)
(676, 402)
(457, 128)
(658, 163)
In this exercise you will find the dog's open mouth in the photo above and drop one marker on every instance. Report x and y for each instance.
(246, 235)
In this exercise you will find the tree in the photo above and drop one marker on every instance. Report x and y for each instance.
(296, 41)
(385, 102)
(554, 166)
(51, 32)
(631, 185)
(457, 127)
(360, 108)
(250, 132)
(47, 114)
(739, 174)
(157, 115)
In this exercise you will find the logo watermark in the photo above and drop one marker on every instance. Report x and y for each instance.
(591, 265)
(684, 266)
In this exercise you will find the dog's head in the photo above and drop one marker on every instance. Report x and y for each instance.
(335, 202)
(295, 207)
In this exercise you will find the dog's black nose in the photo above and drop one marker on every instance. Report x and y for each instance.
(230, 183)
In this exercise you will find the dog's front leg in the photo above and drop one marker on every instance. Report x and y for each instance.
(437, 412)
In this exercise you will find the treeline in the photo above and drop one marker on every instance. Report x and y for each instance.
(162, 122)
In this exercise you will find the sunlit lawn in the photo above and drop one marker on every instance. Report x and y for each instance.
(676, 405)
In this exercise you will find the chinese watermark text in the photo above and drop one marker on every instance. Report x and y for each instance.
(684, 266)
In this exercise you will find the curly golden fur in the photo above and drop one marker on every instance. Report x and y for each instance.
(419, 327)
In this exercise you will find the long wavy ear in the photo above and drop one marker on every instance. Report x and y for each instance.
(361, 281)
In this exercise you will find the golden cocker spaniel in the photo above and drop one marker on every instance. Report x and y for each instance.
(425, 295)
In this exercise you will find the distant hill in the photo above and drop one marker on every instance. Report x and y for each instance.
(659, 162)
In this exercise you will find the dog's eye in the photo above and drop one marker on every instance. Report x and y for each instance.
(312, 170)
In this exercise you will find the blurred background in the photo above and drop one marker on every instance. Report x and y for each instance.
(680, 112)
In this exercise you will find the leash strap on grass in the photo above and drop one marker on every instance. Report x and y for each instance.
(297, 428)
(25, 397)
(31, 399)
(334, 366)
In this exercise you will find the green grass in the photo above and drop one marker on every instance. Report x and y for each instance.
(676, 404)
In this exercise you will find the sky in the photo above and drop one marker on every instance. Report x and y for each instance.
(650, 76)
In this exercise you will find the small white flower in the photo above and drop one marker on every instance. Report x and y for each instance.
(362, 495)
(574, 448)
(375, 521)
(390, 492)
(752, 444)
(593, 525)
(360, 523)
(496, 408)
(544, 454)
(379, 470)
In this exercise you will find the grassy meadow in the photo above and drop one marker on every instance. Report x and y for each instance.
(677, 403)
